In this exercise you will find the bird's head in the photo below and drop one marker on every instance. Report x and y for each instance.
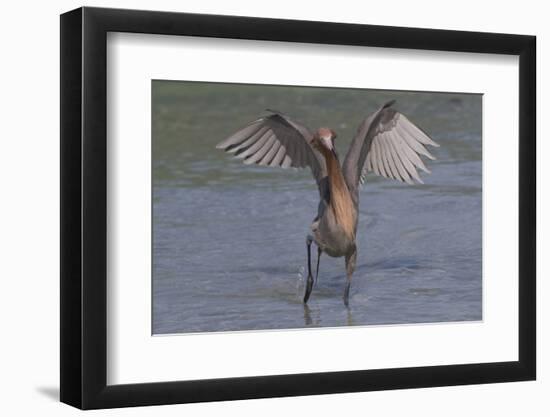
(324, 139)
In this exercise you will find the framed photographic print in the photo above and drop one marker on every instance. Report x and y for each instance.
(257, 207)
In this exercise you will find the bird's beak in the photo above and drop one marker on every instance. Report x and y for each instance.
(328, 144)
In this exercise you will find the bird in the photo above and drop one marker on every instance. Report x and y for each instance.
(386, 143)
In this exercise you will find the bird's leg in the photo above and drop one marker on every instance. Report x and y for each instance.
(319, 251)
(309, 283)
(350, 267)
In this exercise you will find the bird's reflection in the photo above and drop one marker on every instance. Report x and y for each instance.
(349, 317)
(308, 321)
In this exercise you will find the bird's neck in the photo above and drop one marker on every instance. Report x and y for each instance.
(340, 197)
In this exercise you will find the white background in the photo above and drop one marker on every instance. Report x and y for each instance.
(30, 206)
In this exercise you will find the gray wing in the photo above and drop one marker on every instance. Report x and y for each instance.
(276, 140)
(388, 144)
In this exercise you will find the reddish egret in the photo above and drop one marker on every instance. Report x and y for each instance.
(386, 143)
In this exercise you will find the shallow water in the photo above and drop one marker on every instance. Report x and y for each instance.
(229, 247)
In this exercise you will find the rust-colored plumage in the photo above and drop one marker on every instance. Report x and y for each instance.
(340, 200)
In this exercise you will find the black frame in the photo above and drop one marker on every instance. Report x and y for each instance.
(84, 207)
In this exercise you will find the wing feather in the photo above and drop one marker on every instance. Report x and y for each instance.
(246, 141)
(384, 159)
(287, 162)
(418, 133)
(254, 147)
(278, 157)
(266, 160)
(406, 154)
(266, 145)
(236, 140)
(376, 160)
(276, 140)
(395, 163)
(396, 154)
(388, 144)
(389, 158)
(413, 143)
(369, 161)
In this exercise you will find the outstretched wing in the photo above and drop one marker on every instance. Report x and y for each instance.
(388, 144)
(276, 140)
